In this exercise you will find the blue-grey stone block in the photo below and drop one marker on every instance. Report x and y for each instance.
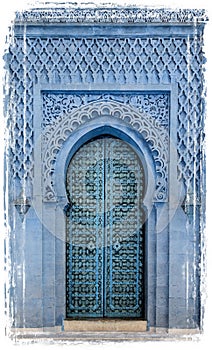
(33, 313)
(161, 316)
(49, 312)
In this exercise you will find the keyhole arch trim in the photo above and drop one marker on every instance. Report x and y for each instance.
(95, 128)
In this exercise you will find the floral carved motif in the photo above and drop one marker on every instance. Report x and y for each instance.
(154, 104)
(155, 135)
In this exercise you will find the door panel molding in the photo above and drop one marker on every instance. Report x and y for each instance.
(105, 232)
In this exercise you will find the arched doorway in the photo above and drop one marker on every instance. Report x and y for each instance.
(105, 186)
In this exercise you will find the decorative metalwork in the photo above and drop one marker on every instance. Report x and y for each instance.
(105, 251)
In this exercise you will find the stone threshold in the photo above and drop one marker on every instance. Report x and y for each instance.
(100, 337)
(105, 325)
(54, 335)
(57, 331)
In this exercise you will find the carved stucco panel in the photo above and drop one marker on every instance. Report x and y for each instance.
(56, 134)
(97, 60)
(70, 14)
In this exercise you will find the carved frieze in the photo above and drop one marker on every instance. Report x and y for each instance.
(155, 105)
(111, 15)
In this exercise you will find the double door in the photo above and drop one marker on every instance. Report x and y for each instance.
(105, 231)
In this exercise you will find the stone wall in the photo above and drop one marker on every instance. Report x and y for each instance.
(72, 73)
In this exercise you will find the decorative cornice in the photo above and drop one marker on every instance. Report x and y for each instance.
(111, 15)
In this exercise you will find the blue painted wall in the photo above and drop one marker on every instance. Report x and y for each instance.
(69, 81)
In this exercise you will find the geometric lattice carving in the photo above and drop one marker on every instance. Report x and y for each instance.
(155, 135)
(102, 60)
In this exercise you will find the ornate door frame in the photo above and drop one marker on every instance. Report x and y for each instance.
(63, 136)
(95, 128)
(106, 123)
(59, 138)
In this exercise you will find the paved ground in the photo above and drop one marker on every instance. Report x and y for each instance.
(98, 337)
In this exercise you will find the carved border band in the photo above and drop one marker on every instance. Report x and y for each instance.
(111, 15)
